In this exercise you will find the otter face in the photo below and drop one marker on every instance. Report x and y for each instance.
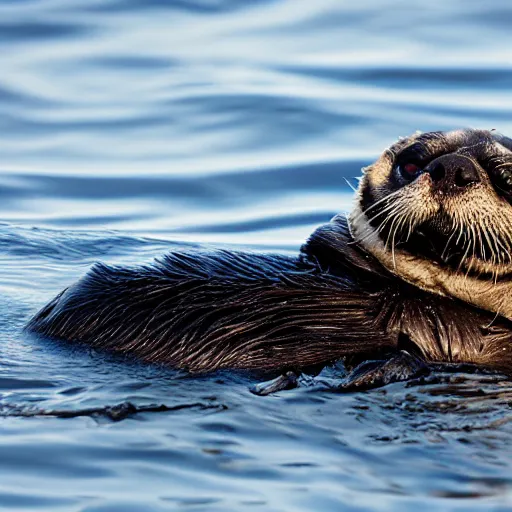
(436, 209)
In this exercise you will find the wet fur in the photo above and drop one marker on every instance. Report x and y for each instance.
(210, 310)
(204, 311)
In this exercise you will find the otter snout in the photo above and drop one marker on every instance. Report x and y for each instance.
(451, 173)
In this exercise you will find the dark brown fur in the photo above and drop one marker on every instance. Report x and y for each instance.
(204, 311)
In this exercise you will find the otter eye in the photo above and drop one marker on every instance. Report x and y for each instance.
(409, 170)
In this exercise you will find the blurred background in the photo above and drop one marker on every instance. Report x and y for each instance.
(132, 127)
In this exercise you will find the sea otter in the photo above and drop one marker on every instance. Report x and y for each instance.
(420, 274)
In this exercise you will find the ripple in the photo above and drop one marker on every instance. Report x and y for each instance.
(129, 126)
(24, 32)
(9, 383)
(414, 77)
(72, 246)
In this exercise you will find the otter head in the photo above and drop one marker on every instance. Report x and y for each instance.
(436, 210)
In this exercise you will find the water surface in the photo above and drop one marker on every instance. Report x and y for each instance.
(132, 127)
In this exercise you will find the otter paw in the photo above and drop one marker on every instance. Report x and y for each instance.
(373, 374)
(288, 380)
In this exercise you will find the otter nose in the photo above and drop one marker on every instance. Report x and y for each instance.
(453, 170)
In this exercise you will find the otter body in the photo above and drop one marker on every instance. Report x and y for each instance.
(205, 311)
(415, 270)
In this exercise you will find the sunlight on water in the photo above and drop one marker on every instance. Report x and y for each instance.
(132, 127)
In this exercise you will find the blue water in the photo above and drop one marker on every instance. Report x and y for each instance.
(132, 127)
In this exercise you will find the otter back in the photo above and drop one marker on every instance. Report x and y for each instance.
(209, 310)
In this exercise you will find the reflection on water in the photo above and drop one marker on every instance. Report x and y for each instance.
(131, 127)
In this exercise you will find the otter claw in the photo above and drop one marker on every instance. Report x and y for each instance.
(370, 374)
(288, 380)
(374, 374)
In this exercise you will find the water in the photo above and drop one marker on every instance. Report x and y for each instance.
(132, 127)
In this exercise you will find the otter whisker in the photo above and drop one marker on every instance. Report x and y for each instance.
(454, 231)
(490, 244)
(390, 211)
(477, 242)
(506, 249)
(410, 221)
(354, 189)
(405, 223)
(397, 216)
(462, 233)
(470, 245)
(377, 203)
(506, 230)
(501, 250)
(480, 242)
(382, 212)
(393, 244)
